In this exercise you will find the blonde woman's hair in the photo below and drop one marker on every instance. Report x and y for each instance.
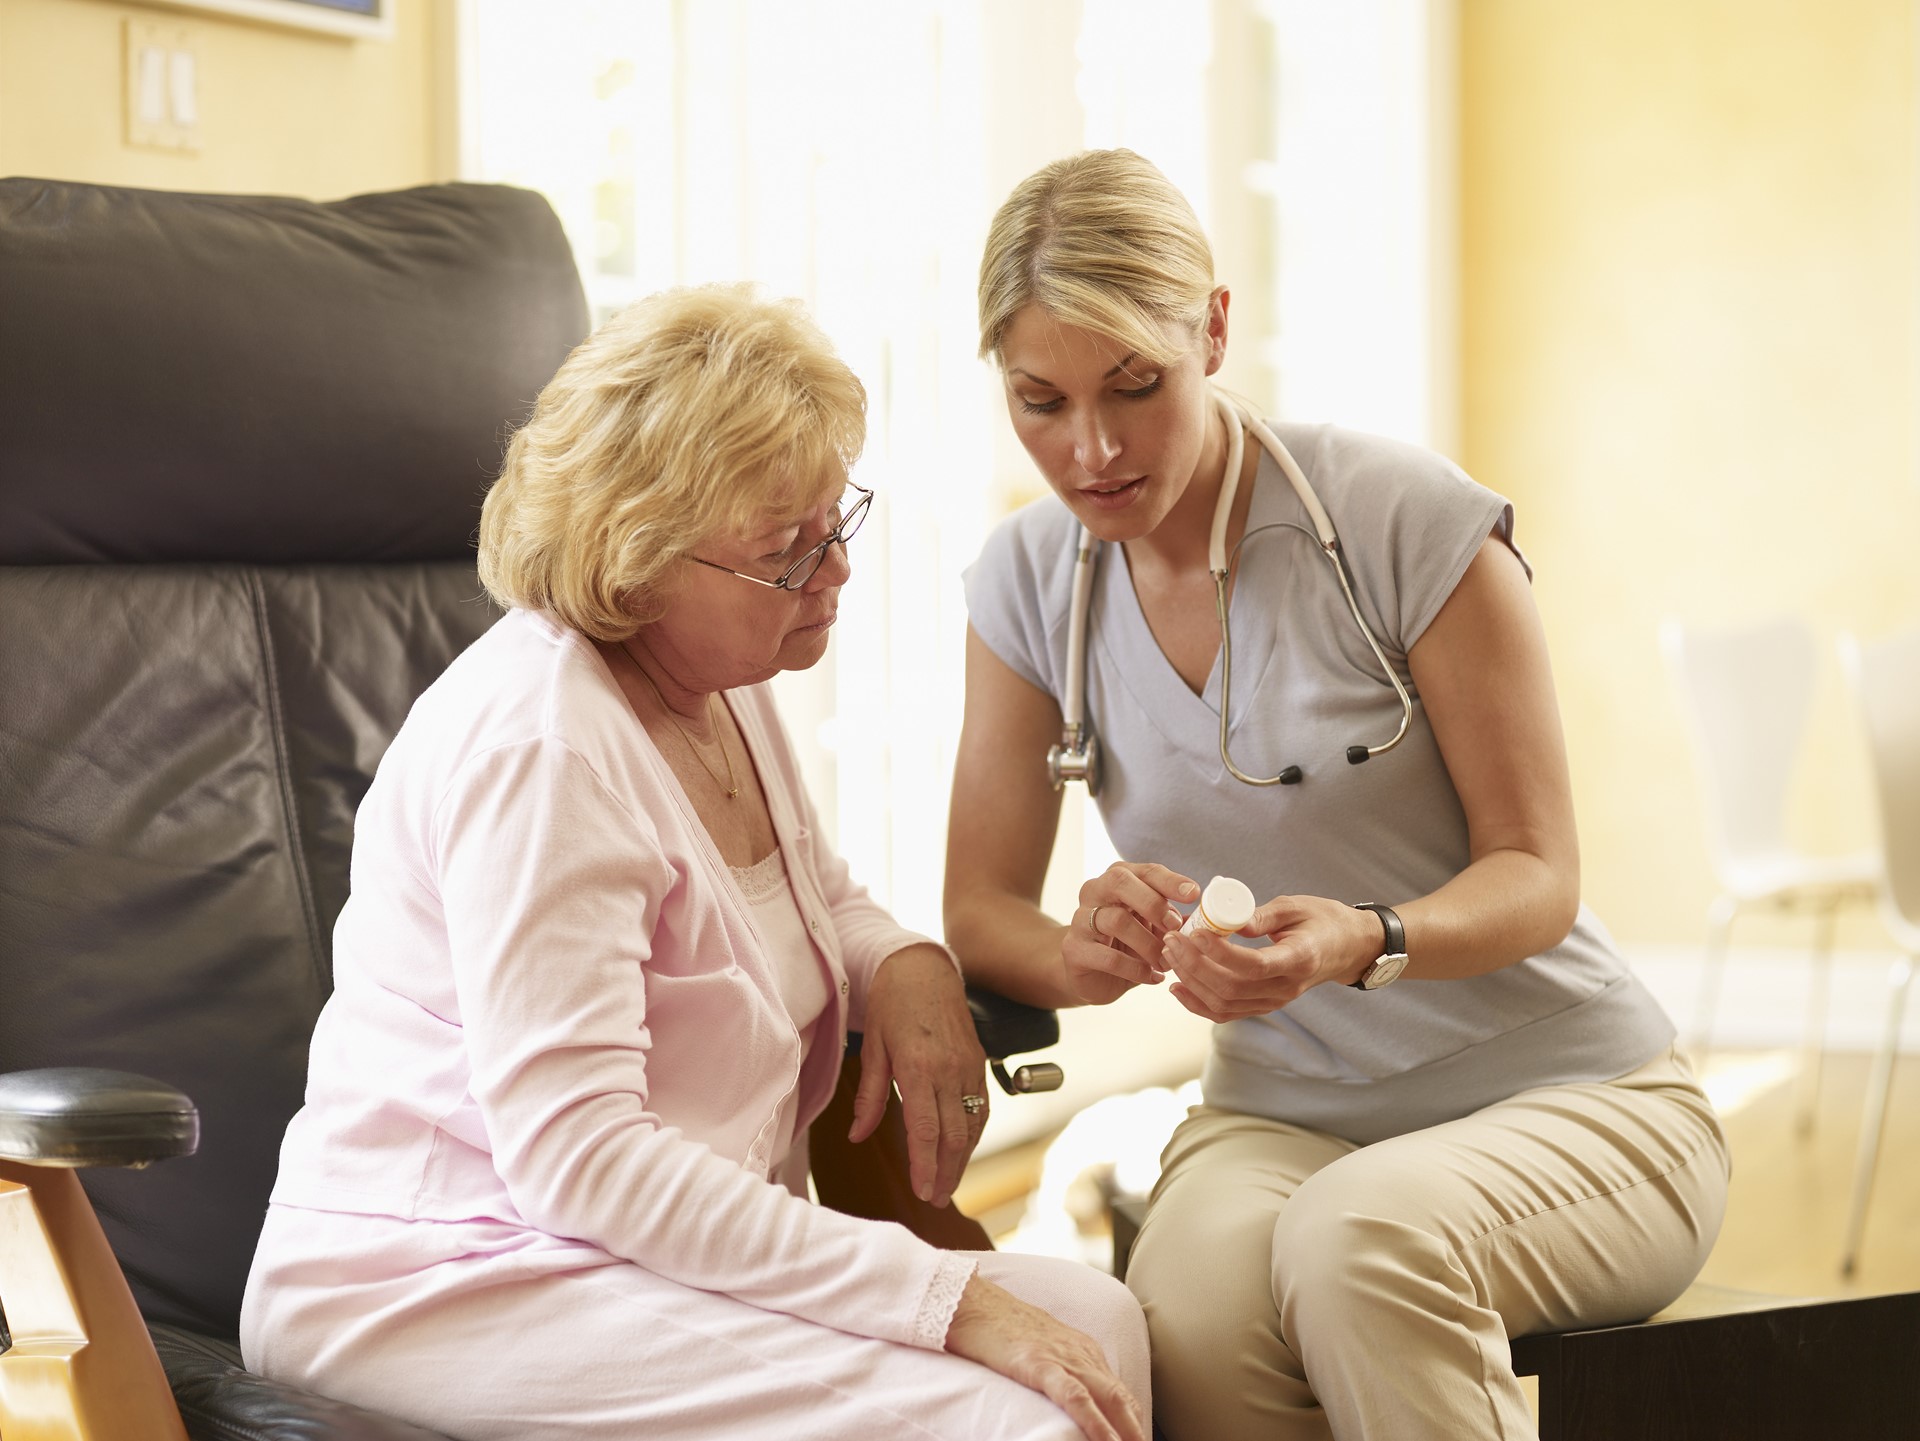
(1100, 240)
(695, 413)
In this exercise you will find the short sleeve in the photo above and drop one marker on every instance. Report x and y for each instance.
(1410, 523)
(1018, 591)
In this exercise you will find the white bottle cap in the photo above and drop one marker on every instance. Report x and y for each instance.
(1226, 904)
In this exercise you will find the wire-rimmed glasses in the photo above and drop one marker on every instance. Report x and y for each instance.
(802, 570)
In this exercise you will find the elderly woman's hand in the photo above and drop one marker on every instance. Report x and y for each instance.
(919, 1036)
(1026, 1344)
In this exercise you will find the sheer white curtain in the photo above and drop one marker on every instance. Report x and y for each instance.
(1316, 143)
(1365, 328)
(834, 153)
(851, 152)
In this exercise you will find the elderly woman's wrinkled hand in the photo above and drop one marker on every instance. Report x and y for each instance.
(1028, 1345)
(919, 1036)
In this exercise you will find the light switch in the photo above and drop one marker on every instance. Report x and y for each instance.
(163, 86)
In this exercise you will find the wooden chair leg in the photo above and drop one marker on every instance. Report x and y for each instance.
(1873, 1123)
(81, 1366)
(871, 1179)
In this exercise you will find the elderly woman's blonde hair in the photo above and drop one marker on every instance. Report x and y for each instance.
(1104, 241)
(695, 413)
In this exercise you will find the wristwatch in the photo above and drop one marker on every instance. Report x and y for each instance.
(1386, 968)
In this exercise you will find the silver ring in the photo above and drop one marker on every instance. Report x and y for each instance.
(973, 1105)
(1093, 924)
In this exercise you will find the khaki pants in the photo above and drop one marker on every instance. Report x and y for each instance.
(1298, 1286)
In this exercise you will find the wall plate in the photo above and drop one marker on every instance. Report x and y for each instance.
(162, 66)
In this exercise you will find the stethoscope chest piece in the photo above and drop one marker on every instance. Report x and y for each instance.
(1075, 758)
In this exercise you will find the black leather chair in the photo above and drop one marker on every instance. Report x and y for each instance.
(243, 444)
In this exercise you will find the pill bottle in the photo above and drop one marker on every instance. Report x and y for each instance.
(1225, 906)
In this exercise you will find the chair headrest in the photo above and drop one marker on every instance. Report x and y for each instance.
(263, 379)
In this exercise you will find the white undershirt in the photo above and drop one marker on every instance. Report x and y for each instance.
(801, 977)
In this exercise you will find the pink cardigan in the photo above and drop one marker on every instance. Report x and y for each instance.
(551, 1006)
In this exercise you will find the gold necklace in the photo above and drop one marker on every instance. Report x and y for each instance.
(732, 785)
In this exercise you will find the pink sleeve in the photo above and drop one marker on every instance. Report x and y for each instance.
(552, 891)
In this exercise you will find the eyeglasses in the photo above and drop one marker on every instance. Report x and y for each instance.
(802, 570)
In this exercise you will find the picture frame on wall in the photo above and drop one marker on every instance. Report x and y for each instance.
(364, 19)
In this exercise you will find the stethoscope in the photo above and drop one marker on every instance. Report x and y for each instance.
(1077, 757)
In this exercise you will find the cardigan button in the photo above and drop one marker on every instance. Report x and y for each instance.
(843, 988)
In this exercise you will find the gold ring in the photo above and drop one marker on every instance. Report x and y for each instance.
(973, 1105)
(1093, 924)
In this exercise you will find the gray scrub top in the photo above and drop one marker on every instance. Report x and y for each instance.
(1362, 1065)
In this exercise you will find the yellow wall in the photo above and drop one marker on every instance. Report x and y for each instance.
(284, 111)
(1688, 319)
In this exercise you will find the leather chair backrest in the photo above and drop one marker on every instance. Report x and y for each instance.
(243, 443)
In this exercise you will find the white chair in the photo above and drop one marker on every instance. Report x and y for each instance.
(1746, 692)
(1886, 685)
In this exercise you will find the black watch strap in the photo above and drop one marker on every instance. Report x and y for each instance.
(1393, 959)
(1396, 934)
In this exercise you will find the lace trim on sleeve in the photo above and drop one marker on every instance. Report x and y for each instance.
(942, 1299)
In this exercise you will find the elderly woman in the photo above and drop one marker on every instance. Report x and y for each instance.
(598, 966)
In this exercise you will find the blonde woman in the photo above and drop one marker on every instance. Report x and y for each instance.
(598, 967)
(1430, 1124)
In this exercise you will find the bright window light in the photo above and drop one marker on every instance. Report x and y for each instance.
(833, 153)
(839, 152)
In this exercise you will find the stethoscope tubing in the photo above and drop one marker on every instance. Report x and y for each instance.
(1075, 758)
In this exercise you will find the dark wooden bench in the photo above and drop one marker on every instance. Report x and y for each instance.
(1721, 1363)
(1717, 1365)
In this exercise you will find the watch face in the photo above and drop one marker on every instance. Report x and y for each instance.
(1385, 971)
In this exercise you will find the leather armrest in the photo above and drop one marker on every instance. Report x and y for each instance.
(1010, 1028)
(81, 1116)
(222, 1401)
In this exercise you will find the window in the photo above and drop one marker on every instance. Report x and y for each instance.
(851, 154)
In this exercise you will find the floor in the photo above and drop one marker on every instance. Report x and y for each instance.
(1787, 1208)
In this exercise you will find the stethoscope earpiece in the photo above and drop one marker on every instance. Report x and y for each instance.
(1077, 756)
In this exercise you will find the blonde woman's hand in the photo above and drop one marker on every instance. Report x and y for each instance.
(1314, 942)
(1026, 1344)
(919, 1037)
(1113, 941)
